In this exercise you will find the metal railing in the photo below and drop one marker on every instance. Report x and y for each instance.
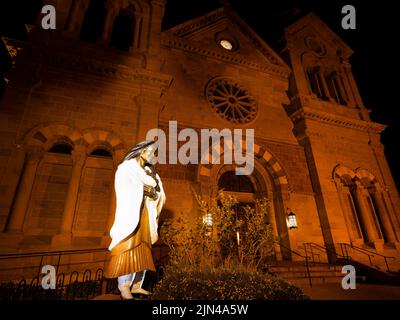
(315, 246)
(22, 260)
(371, 254)
(305, 257)
(70, 285)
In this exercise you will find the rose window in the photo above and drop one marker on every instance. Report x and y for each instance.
(230, 101)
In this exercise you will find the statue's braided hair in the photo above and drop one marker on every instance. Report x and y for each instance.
(137, 149)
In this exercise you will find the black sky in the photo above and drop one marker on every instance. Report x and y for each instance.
(375, 62)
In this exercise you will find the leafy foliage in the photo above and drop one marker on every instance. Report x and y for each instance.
(227, 261)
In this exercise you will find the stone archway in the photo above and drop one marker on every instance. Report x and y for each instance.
(270, 180)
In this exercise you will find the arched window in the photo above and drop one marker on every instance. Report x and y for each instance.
(336, 88)
(93, 21)
(316, 82)
(103, 153)
(62, 147)
(50, 190)
(96, 189)
(365, 209)
(122, 31)
(230, 181)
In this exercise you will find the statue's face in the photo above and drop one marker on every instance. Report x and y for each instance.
(148, 154)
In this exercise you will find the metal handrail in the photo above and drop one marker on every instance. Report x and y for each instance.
(368, 253)
(300, 255)
(320, 247)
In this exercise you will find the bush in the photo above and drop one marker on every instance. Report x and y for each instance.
(216, 263)
(224, 284)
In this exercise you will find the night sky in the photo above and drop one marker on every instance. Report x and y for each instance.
(375, 62)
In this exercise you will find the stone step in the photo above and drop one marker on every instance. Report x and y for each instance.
(303, 267)
(312, 274)
(316, 280)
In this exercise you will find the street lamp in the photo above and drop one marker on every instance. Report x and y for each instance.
(291, 220)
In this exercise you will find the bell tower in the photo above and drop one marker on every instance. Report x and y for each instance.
(132, 26)
(333, 125)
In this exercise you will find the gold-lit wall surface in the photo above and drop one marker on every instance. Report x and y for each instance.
(73, 108)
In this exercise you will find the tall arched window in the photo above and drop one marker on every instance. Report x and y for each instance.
(364, 207)
(336, 88)
(93, 21)
(122, 31)
(49, 191)
(316, 82)
(96, 188)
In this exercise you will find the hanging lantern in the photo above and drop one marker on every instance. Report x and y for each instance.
(207, 220)
(292, 221)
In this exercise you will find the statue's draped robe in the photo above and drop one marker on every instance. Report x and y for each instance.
(136, 221)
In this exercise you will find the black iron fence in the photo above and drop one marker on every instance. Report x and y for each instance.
(75, 286)
(69, 284)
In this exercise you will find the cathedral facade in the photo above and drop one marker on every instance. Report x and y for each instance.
(81, 95)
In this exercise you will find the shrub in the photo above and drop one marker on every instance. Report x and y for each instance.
(223, 284)
(216, 263)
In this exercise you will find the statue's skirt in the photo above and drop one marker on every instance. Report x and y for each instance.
(133, 254)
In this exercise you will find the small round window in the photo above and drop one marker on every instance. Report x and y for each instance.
(226, 41)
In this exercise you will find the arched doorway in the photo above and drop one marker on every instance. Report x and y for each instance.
(246, 190)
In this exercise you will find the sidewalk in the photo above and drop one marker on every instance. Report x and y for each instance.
(362, 292)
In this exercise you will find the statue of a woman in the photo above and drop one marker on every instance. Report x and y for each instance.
(139, 199)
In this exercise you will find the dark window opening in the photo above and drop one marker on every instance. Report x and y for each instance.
(62, 148)
(101, 153)
(316, 84)
(230, 181)
(122, 32)
(92, 25)
(335, 89)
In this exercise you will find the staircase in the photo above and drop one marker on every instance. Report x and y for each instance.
(299, 274)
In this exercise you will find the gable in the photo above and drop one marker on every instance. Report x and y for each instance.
(313, 32)
(202, 35)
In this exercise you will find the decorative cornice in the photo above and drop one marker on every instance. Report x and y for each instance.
(95, 67)
(177, 43)
(178, 33)
(362, 125)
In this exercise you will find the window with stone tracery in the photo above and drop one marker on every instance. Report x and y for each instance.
(231, 101)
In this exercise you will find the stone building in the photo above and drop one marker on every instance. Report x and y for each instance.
(82, 94)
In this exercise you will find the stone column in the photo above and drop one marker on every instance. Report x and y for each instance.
(106, 240)
(108, 24)
(119, 154)
(392, 212)
(75, 17)
(386, 223)
(347, 204)
(78, 161)
(321, 76)
(16, 222)
(365, 214)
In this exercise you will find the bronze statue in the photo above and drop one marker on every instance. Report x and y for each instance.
(139, 199)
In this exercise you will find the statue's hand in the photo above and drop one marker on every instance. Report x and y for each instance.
(150, 192)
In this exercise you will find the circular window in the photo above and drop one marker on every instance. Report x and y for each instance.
(226, 44)
(226, 41)
(230, 101)
(315, 45)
